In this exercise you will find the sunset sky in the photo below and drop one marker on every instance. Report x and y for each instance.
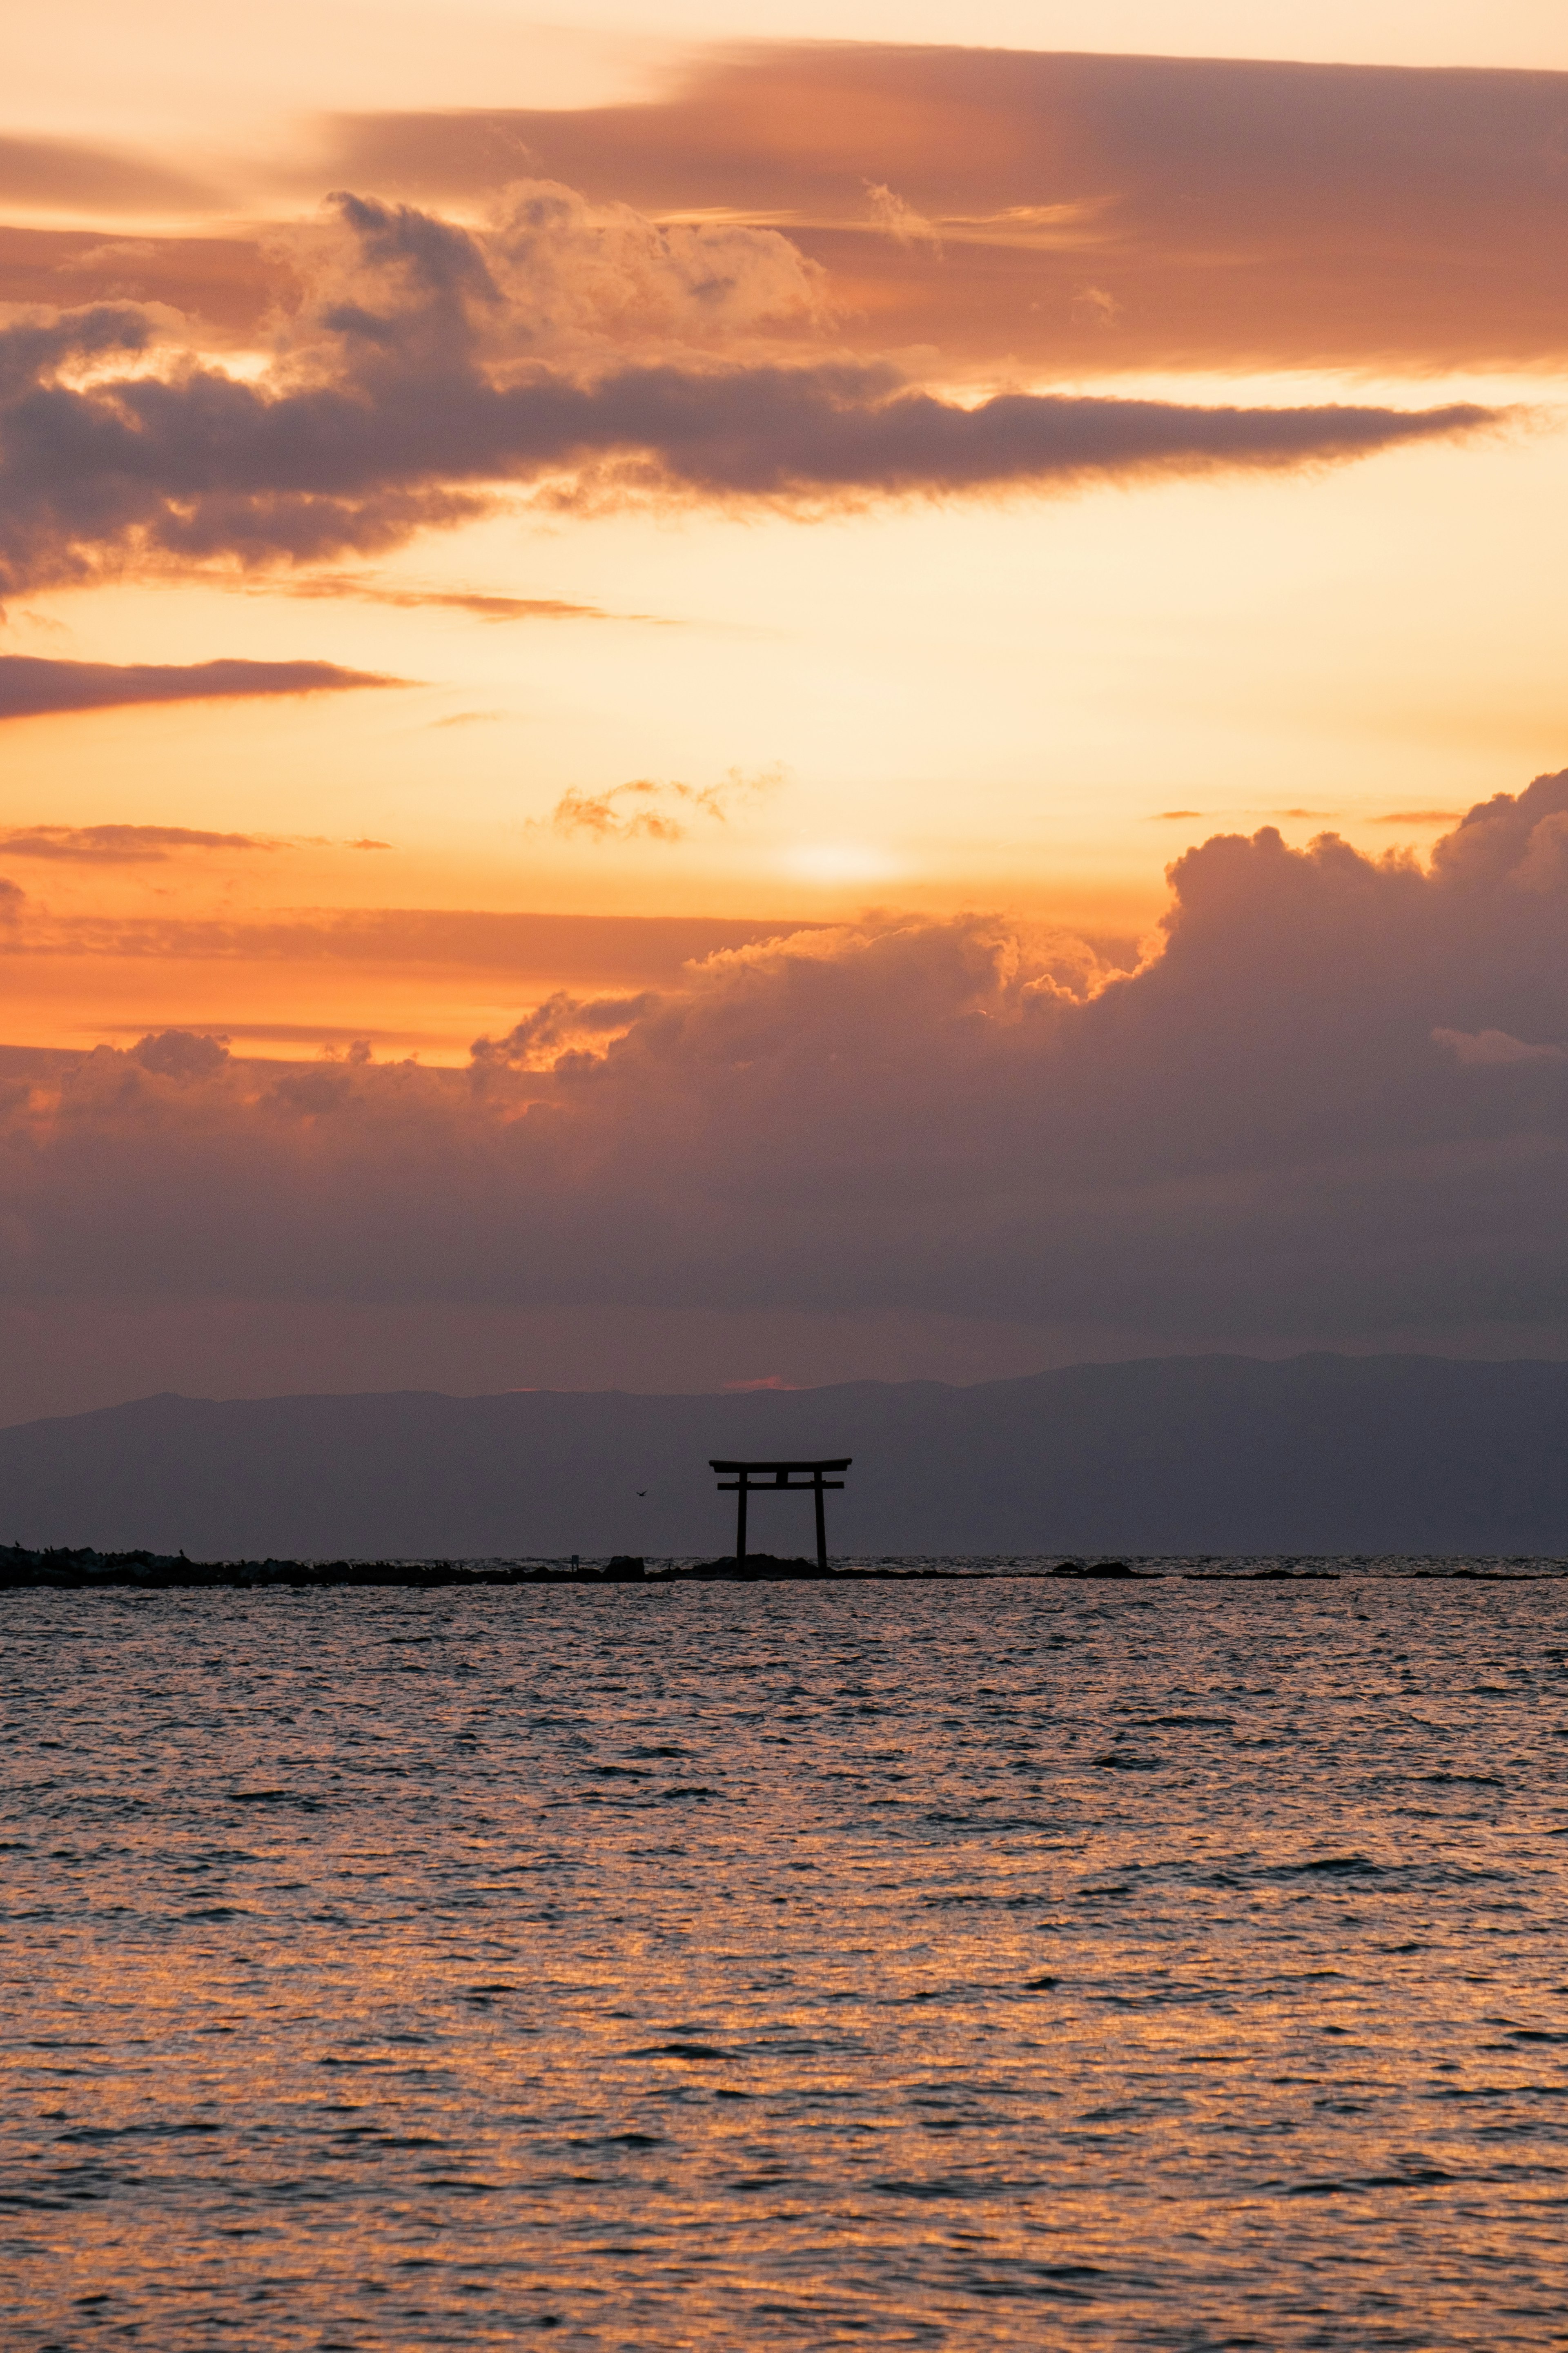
(613, 630)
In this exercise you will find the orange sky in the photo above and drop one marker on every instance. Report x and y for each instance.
(1026, 695)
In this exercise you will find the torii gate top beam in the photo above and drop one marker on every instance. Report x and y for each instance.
(781, 1471)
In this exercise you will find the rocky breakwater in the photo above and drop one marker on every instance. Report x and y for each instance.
(82, 1568)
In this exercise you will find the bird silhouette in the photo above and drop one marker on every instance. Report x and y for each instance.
(642, 1491)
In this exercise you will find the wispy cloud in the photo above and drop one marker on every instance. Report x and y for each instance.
(614, 952)
(483, 604)
(642, 810)
(1418, 817)
(899, 221)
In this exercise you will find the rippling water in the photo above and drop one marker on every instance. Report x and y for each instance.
(955, 1966)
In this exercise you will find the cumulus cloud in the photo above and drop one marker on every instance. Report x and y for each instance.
(567, 269)
(561, 1024)
(181, 1054)
(422, 375)
(31, 685)
(1253, 1134)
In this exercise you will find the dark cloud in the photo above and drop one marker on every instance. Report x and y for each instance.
(1336, 1104)
(61, 173)
(117, 845)
(1108, 210)
(181, 1054)
(31, 686)
(418, 385)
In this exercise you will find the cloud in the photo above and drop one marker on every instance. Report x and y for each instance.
(557, 1027)
(1237, 212)
(483, 605)
(117, 845)
(627, 812)
(1097, 306)
(181, 1054)
(899, 221)
(1252, 1137)
(31, 686)
(644, 811)
(529, 950)
(415, 385)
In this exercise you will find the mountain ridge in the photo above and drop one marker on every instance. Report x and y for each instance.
(1203, 1454)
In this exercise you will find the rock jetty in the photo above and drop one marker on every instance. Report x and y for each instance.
(83, 1569)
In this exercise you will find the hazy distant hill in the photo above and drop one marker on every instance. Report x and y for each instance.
(1191, 1453)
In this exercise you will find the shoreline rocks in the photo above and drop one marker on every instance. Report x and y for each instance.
(83, 1569)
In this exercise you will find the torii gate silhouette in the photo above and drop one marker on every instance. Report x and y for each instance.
(780, 1481)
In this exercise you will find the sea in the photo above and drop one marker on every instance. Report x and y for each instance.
(990, 1963)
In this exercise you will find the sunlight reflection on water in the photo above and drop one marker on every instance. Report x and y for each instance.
(1005, 1966)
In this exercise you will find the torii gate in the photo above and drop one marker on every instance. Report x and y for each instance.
(813, 1482)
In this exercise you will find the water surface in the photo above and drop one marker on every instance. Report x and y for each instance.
(1166, 1966)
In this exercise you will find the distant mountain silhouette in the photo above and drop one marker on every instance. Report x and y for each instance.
(1207, 1454)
